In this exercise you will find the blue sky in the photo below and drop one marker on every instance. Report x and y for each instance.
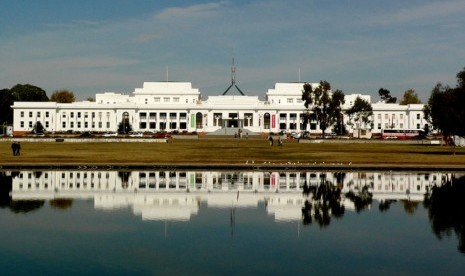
(91, 46)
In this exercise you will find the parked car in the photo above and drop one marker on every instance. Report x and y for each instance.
(162, 135)
(85, 134)
(110, 134)
(136, 134)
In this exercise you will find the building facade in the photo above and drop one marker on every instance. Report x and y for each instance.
(177, 106)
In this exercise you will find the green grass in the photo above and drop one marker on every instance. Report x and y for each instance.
(230, 151)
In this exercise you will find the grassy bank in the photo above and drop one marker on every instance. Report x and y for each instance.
(230, 151)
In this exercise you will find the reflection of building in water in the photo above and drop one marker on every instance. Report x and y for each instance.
(176, 195)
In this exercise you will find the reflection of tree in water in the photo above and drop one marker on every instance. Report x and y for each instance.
(16, 206)
(61, 203)
(384, 205)
(25, 206)
(6, 183)
(362, 199)
(410, 206)
(326, 202)
(446, 209)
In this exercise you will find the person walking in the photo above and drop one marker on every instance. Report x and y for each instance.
(270, 138)
(280, 141)
(13, 148)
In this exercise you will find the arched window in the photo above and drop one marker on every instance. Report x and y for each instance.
(125, 125)
(266, 120)
(199, 120)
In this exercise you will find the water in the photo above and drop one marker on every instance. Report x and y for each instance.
(207, 222)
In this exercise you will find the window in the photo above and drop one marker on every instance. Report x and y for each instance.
(143, 115)
(401, 116)
(86, 114)
(182, 116)
(152, 125)
(38, 114)
(142, 125)
(290, 100)
(183, 125)
(379, 116)
(46, 124)
(21, 124)
(71, 124)
(153, 116)
(173, 125)
(248, 119)
(30, 124)
(282, 116)
(401, 125)
(163, 115)
(79, 124)
(418, 117)
(379, 125)
(418, 126)
(108, 124)
(30, 114)
(79, 114)
(47, 114)
(63, 124)
(173, 116)
(72, 115)
(166, 99)
(93, 114)
(22, 114)
(99, 124)
(176, 99)
(157, 99)
(86, 124)
(386, 116)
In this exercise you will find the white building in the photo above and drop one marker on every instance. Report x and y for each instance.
(176, 106)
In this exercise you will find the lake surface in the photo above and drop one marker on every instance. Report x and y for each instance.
(211, 222)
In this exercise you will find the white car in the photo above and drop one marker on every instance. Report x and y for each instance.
(110, 134)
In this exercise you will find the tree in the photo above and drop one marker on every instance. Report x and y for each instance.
(18, 93)
(325, 108)
(38, 128)
(90, 99)
(385, 95)
(6, 101)
(28, 93)
(63, 96)
(361, 112)
(410, 97)
(445, 108)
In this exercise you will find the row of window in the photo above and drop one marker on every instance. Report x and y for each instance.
(168, 99)
(163, 125)
(38, 114)
(393, 116)
(401, 125)
(162, 115)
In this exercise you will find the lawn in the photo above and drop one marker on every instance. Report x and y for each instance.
(231, 151)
